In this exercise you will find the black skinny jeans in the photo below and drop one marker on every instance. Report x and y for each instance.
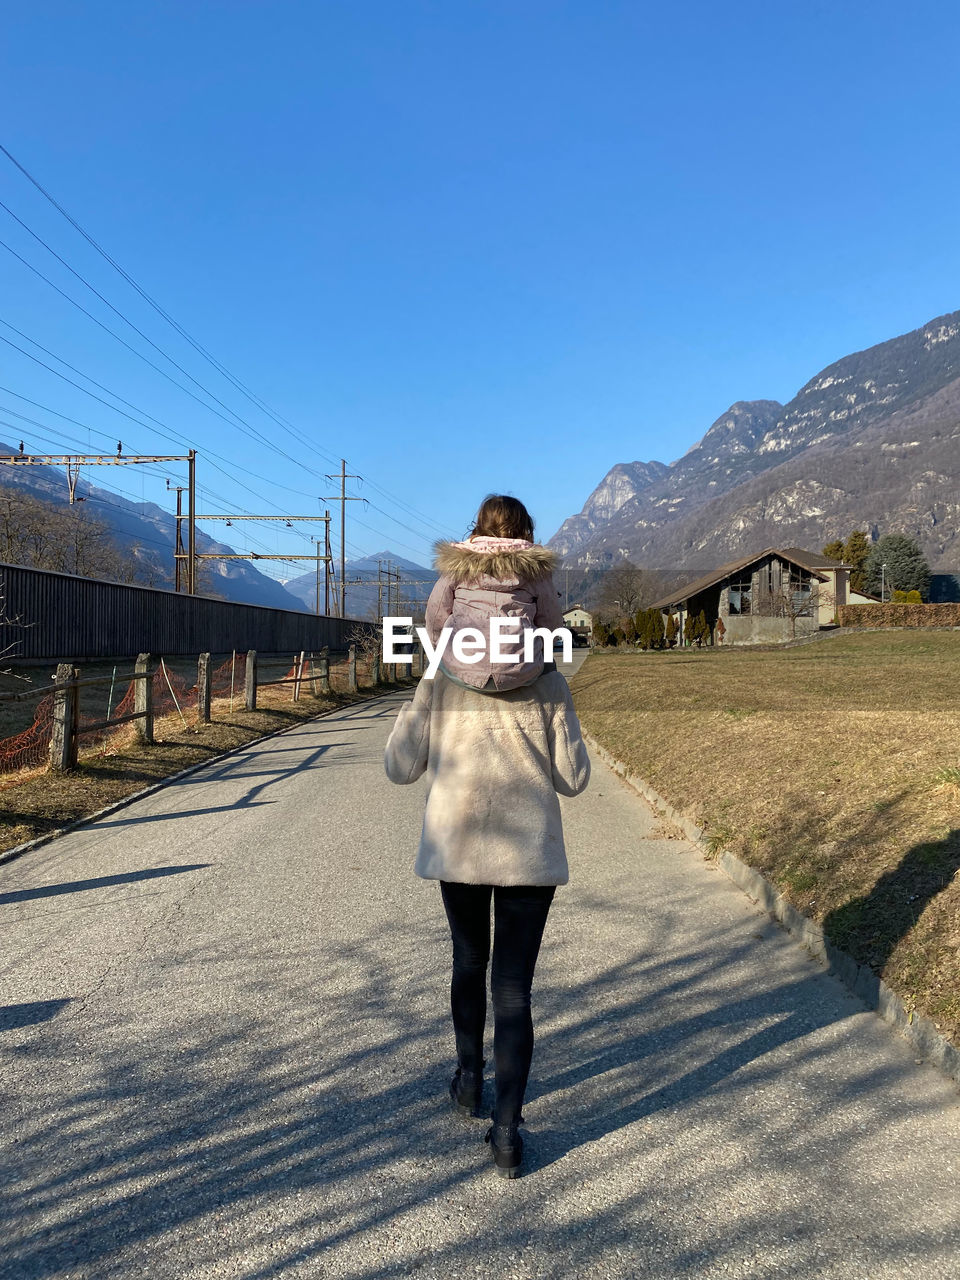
(520, 914)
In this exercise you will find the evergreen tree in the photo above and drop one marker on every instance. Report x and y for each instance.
(701, 629)
(601, 634)
(617, 636)
(670, 631)
(630, 631)
(689, 629)
(835, 550)
(646, 631)
(906, 566)
(855, 552)
(656, 629)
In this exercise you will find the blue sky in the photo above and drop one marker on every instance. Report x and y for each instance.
(467, 246)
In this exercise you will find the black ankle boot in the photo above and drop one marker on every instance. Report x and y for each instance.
(466, 1091)
(506, 1147)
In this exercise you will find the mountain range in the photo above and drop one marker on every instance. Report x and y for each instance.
(870, 442)
(365, 597)
(146, 534)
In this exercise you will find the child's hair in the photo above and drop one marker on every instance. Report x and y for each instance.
(502, 517)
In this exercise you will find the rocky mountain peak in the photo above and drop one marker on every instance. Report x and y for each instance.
(871, 441)
(617, 488)
(868, 385)
(738, 430)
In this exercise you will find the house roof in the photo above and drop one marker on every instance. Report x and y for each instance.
(811, 560)
(574, 607)
(791, 555)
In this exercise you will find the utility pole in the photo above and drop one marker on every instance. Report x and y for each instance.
(326, 564)
(391, 576)
(343, 476)
(192, 523)
(178, 551)
(256, 555)
(72, 462)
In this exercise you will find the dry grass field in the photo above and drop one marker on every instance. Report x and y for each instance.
(832, 767)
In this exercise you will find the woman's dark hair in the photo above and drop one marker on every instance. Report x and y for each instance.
(502, 517)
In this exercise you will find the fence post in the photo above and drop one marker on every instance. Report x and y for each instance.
(143, 698)
(352, 668)
(324, 673)
(203, 689)
(298, 675)
(313, 676)
(63, 739)
(250, 681)
(375, 667)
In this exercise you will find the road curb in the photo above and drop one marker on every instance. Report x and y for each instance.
(18, 850)
(919, 1031)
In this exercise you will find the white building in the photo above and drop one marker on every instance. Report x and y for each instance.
(577, 616)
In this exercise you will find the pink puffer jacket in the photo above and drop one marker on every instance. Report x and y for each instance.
(486, 578)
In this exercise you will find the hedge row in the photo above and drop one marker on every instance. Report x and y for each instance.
(899, 615)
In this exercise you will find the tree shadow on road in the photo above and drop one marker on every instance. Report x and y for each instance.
(281, 1111)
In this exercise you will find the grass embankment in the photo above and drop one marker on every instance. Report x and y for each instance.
(833, 768)
(37, 802)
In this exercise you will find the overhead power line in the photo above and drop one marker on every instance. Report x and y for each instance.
(215, 363)
(234, 421)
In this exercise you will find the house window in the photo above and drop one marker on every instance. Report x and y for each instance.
(801, 586)
(740, 596)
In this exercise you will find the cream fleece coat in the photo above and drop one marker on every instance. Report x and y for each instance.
(494, 764)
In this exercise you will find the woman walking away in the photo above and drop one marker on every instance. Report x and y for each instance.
(498, 572)
(492, 829)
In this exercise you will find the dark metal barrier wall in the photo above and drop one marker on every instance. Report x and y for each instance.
(80, 618)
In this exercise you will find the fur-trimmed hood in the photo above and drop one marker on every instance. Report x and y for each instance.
(500, 558)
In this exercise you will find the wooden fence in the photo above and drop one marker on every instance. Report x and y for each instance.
(156, 690)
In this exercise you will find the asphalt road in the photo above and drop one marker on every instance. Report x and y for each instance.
(225, 1052)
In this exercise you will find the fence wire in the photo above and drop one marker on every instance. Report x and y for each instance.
(173, 693)
(30, 747)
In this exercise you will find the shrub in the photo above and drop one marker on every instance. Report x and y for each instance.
(899, 615)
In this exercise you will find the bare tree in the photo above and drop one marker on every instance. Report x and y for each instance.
(627, 588)
(46, 535)
(801, 597)
(368, 639)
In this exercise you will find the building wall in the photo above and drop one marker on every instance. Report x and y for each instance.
(834, 594)
(578, 618)
(756, 630)
(944, 588)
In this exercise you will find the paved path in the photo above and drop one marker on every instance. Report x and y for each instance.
(225, 1053)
